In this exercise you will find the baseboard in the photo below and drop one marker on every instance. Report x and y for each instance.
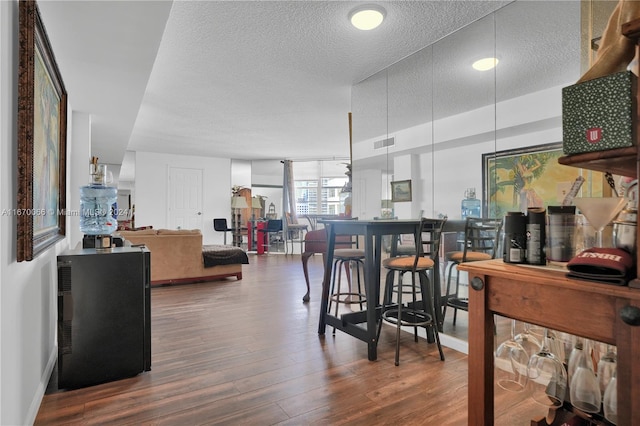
(454, 343)
(42, 387)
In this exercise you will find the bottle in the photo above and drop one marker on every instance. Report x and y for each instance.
(470, 205)
(536, 227)
(515, 237)
(96, 203)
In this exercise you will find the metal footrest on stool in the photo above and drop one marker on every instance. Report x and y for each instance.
(409, 317)
(348, 298)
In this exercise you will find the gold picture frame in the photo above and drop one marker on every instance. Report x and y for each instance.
(515, 179)
(42, 139)
(401, 191)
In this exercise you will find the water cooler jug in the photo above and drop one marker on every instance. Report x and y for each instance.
(470, 205)
(96, 209)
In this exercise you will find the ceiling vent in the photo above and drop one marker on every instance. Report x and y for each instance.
(384, 143)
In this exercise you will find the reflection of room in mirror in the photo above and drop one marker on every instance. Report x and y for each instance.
(442, 115)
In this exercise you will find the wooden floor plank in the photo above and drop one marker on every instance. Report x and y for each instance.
(248, 352)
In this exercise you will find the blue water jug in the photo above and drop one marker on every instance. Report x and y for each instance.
(471, 206)
(96, 204)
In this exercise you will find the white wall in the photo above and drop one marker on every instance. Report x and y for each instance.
(454, 163)
(267, 180)
(366, 193)
(151, 189)
(28, 295)
(79, 155)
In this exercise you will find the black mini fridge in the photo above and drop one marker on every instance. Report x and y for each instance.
(104, 315)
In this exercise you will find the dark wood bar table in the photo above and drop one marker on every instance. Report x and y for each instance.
(543, 296)
(362, 324)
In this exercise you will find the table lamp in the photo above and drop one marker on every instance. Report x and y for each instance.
(256, 204)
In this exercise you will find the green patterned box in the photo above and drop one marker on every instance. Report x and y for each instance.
(598, 114)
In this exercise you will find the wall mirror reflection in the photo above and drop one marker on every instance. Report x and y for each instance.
(431, 117)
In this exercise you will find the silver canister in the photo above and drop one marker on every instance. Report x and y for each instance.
(624, 231)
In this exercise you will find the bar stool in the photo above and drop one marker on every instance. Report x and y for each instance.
(420, 311)
(481, 238)
(345, 258)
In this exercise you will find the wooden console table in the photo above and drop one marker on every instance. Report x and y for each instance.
(542, 296)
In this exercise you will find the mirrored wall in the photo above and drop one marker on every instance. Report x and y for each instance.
(432, 118)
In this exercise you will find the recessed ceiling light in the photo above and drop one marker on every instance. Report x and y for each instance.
(367, 17)
(485, 64)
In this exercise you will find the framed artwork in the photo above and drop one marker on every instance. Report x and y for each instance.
(401, 191)
(516, 179)
(42, 139)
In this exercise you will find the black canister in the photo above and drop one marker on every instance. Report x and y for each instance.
(515, 237)
(536, 236)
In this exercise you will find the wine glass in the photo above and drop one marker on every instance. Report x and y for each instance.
(528, 340)
(577, 352)
(511, 364)
(584, 388)
(599, 211)
(606, 368)
(610, 400)
(547, 377)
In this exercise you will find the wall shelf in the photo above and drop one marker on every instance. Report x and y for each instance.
(620, 161)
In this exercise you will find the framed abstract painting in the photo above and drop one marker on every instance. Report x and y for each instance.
(516, 179)
(42, 139)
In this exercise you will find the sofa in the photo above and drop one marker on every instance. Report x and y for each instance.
(178, 256)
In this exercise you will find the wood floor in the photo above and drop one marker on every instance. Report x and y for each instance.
(247, 352)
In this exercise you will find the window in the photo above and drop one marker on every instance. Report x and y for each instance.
(331, 200)
(318, 186)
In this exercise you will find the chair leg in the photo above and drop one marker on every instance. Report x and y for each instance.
(446, 293)
(332, 289)
(447, 296)
(386, 299)
(414, 300)
(305, 269)
(455, 310)
(338, 265)
(398, 324)
(358, 264)
(426, 288)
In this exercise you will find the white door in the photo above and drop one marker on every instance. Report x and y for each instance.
(185, 198)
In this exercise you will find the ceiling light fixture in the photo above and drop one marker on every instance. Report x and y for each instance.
(485, 64)
(367, 17)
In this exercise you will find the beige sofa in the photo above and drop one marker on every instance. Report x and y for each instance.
(176, 256)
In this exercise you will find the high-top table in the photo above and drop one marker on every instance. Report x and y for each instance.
(363, 324)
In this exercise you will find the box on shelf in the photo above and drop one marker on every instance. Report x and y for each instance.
(597, 115)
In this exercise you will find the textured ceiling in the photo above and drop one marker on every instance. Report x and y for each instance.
(246, 80)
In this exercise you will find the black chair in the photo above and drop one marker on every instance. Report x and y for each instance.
(274, 233)
(481, 241)
(220, 225)
(419, 311)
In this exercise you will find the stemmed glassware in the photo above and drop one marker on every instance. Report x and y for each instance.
(599, 211)
(606, 368)
(577, 352)
(528, 340)
(585, 392)
(547, 377)
(511, 361)
(610, 401)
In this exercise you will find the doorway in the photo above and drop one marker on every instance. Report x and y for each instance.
(185, 198)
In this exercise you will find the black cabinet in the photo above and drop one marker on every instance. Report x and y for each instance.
(104, 315)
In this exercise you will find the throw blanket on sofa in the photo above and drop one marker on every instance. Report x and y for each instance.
(215, 255)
